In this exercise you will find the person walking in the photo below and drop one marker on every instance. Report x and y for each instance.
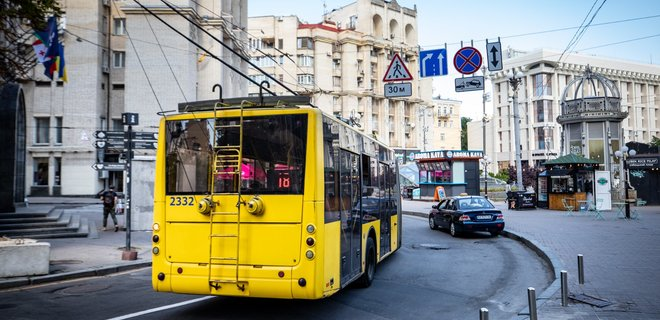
(109, 198)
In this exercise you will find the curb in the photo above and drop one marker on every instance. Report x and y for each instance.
(85, 273)
(544, 253)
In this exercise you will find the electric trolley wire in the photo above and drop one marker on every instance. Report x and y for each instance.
(228, 48)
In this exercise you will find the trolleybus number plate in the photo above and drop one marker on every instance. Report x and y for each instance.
(182, 201)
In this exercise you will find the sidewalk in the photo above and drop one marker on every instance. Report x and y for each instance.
(98, 254)
(621, 259)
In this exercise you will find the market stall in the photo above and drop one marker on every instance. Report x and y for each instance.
(567, 183)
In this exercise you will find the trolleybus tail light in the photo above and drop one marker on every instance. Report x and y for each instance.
(309, 254)
(280, 274)
(302, 282)
(161, 276)
(155, 238)
(464, 218)
(310, 241)
(155, 227)
(311, 228)
(155, 250)
(179, 270)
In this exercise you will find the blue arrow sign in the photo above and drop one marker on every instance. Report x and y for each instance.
(433, 63)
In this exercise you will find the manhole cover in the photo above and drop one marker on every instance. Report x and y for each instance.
(429, 246)
(59, 262)
(76, 290)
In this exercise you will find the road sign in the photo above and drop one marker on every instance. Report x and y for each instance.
(467, 60)
(397, 70)
(469, 84)
(144, 145)
(145, 135)
(494, 56)
(398, 89)
(129, 119)
(102, 134)
(110, 166)
(433, 63)
(109, 144)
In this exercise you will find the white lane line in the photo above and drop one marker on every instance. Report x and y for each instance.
(171, 306)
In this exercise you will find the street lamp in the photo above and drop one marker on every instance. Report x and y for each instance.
(623, 155)
(514, 81)
(485, 161)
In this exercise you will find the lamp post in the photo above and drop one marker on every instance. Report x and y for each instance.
(623, 154)
(485, 161)
(514, 81)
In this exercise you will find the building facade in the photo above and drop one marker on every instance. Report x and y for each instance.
(120, 58)
(341, 63)
(539, 98)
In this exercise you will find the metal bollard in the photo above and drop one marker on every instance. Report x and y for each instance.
(564, 288)
(531, 299)
(483, 314)
(581, 268)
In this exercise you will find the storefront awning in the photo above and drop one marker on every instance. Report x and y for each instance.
(570, 159)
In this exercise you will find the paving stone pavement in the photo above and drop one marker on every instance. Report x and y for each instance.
(621, 259)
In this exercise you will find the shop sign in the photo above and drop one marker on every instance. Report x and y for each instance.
(449, 154)
(639, 163)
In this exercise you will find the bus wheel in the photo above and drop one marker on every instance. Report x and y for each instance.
(370, 268)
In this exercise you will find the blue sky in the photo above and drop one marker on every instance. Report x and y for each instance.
(442, 21)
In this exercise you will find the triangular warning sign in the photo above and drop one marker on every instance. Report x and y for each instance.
(397, 70)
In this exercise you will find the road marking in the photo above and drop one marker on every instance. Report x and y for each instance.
(171, 306)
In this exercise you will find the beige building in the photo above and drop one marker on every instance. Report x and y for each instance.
(539, 98)
(122, 59)
(341, 63)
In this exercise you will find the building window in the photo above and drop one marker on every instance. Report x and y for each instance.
(40, 172)
(120, 26)
(336, 64)
(306, 79)
(305, 61)
(117, 86)
(58, 171)
(336, 81)
(352, 22)
(58, 130)
(280, 44)
(42, 130)
(543, 110)
(305, 43)
(542, 85)
(442, 137)
(118, 59)
(117, 125)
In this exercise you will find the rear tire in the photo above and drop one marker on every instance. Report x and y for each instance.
(370, 265)
(495, 233)
(452, 230)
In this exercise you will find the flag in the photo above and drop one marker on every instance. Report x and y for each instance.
(40, 46)
(54, 59)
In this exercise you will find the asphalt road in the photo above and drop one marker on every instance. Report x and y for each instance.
(432, 276)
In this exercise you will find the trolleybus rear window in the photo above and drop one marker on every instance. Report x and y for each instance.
(273, 155)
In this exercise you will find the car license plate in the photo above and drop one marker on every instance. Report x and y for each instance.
(484, 217)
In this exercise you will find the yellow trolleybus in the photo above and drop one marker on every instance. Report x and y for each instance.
(270, 197)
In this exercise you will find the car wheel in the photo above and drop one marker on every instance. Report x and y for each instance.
(452, 230)
(370, 265)
(495, 233)
(432, 224)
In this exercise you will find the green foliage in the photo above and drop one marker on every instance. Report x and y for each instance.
(502, 175)
(655, 141)
(18, 19)
(464, 135)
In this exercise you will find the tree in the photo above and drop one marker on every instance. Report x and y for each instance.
(528, 175)
(18, 20)
(464, 135)
(655, 141)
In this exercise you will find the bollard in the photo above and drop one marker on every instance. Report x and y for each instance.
(581, 268)
(564, 288)
(27, 203)
(531, 299)
(483, 314)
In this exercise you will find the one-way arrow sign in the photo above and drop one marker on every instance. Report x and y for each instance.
(494, 53)
(433, 63)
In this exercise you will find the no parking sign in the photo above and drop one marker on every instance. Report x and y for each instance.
(467, 60)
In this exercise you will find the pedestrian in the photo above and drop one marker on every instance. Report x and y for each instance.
(109, 199)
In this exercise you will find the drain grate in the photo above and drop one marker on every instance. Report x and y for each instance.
(429, 246)
(59, 262)
(594, 301)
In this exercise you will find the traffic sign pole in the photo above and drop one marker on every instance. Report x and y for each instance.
(128, 190)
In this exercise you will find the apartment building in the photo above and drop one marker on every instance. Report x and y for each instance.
(539, 98)
(341, 61)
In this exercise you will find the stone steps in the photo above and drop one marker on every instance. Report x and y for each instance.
(55, 224)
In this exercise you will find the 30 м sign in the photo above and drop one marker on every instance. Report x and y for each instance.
(398, 89)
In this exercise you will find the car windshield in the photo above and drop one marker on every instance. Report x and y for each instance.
(474, 203)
